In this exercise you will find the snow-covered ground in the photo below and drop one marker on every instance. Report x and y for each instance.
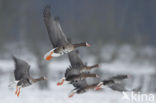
(57, 94)
(142, 75)
(60, 95)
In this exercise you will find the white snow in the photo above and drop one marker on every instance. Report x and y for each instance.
(57, 94)
(60, 95)
(123, 67)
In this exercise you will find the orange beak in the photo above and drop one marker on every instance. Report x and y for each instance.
(49, 57)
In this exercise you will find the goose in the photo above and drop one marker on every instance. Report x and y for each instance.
(76, 61)
(82, 86)
(113, 80)
(57, 37)
(22, 75)
(77, 70)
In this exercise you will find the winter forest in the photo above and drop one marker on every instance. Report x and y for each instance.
(122, 41)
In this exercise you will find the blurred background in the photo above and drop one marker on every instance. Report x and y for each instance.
(121, 34)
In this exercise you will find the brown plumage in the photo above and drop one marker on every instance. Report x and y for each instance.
(77, 70)
(57, 37)
(22, 75)
(82, 86)
(112, 81)
(76, 62)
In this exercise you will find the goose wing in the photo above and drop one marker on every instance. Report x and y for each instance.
(118, 87)
(21, 69)
(114, 80)
(55, 33)
(76, 64)
(71, 71)
(118, 78)
(75, 59)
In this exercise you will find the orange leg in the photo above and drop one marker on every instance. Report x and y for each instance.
(60, 83)
(49, 57)
(18, 92)
(71, 95)
(98, 87)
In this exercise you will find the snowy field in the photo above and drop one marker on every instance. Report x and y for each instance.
(57, 94)
(60, 95)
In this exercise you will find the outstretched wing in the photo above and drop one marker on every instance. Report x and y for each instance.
(21, 69)
(75, 59)
(118, 78)
(118, 87)
(56, 35)
(71, 71)
(114, 80)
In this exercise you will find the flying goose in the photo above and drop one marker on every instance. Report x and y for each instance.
(22, 75)
(82, 86)
(77, 70)
(113, 80)
(57, 37)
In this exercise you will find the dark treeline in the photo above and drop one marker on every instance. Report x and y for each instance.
(119, 21)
